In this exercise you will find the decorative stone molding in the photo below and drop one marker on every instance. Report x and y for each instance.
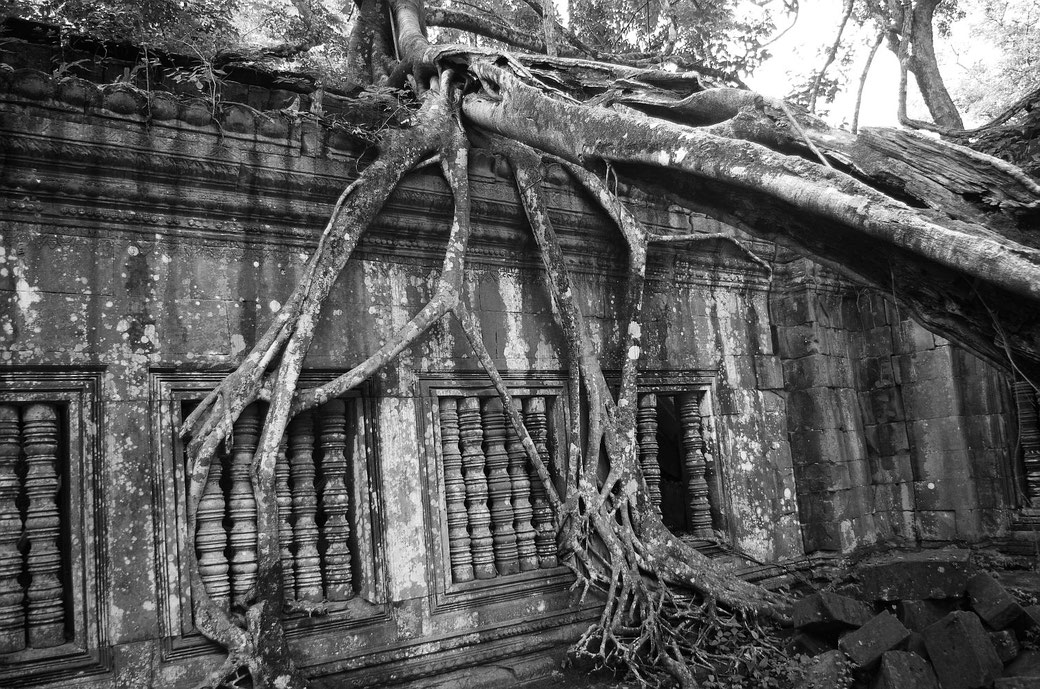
(53, 588)
(673, 422)
(68, 185)
(330, 534)
(494, 535)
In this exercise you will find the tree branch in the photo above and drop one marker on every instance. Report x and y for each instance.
(831, 53)
(863, 80)
(471, 327)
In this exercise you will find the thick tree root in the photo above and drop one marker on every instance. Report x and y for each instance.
(613, 540)
(255, 639)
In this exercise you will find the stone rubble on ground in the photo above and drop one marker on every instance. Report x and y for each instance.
(926, 620)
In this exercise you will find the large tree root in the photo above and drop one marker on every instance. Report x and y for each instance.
(612, 538)
(251, 630)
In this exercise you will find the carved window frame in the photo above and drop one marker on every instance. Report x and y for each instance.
(1022, 489)
(169, 391)
(702, 382)
(447, 594)
(81, 441)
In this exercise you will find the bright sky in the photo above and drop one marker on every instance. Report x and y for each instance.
(797, 51)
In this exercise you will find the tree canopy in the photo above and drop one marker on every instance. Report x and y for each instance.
(649, 94)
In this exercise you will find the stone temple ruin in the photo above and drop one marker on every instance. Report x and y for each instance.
(784, 418)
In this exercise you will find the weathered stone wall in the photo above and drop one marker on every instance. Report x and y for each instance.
(143, 250)
(897, 435)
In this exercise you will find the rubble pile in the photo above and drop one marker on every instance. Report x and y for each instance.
(926, 620)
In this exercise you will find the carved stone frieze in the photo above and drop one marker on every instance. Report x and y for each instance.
(133, 182)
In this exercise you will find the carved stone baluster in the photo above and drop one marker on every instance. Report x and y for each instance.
(335, 502)
(522, 511)
(210, 538)
(646, 421)
(46, 615)
(698, 509)
(305, 502)
(12, 595)
(545, 531)
(500, 489)
(242, 504)
(283, 498)
(471, 437)
(1029, 437)
(455, 492)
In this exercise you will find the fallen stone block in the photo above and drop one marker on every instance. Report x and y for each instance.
(918, 614)
(961, 652)
(866, 645)
(1005, 643)
(829, 670)
(902, 670)
(914, 576)
(1030, 619)
(825, 612)
(915, 644)
(992, 602)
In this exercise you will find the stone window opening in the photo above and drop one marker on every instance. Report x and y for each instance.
(35, 600)
(313, 485)
(1029, 442)
(330, 536)
(499, 522)
(679, 468)
(53, 586)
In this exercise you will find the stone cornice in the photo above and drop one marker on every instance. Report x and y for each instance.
(74, 170)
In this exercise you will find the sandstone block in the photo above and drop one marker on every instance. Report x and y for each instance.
(908, 576)
(821, 536)
(915, 644)
(991, 602)
(866, 645)
(918, 614)
(961, 652)
(1029, 619)
(937, 525)
(769, 372)
(825, 612)
(902, 670)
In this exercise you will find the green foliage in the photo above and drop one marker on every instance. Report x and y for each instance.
(735, 652)
(834, 82)
(178, 26)
(988, 52)
(730, 36)
(994, 56)
(947, 13)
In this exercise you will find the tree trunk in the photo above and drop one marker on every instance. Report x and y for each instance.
(926, 69)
